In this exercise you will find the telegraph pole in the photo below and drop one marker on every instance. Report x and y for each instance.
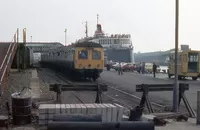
(24, 48)
(65, 37)
(86, 29)
(175, 91)
(18, 51)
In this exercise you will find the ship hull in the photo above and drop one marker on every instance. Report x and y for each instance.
(122, 55)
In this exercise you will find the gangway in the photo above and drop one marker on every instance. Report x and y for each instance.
(7, 53)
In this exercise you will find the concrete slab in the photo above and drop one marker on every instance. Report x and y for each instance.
(72, 109)
(78, 106)
(104, 116)
(34, 85)
(83, 108)
(67, 108)
(114, 112)
(120, 111)
(62, 108)
(58, 108)
(47, 108)
(108, 113)
(98, 111)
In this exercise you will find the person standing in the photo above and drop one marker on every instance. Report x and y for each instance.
(120, 69)
(154, 70)
(143, 67)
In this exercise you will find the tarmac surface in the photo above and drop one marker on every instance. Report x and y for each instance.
(129, 80)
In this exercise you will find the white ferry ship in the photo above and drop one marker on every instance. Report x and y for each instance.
(117, 47)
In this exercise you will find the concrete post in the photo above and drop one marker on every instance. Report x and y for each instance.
(198, 107)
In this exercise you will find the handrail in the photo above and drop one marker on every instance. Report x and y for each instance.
(7, 62)
(5, 56)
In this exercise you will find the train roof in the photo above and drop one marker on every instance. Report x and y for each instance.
(88, 44)
(73, 46)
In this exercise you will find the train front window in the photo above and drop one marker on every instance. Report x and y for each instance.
(193, 59)
(83, 54)
(96, 55)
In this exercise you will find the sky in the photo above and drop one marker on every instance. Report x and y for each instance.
(151, 23)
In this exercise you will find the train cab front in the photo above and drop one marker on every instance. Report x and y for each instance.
(89, 62)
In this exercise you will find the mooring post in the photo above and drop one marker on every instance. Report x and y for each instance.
(198, 107)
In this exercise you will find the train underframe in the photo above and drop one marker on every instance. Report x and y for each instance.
(77, 74)
(87, 73)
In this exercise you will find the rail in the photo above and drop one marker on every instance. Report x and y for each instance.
(7, 62)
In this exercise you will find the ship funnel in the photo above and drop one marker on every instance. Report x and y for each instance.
(99, 29)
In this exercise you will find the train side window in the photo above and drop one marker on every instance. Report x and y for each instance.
(96, 55)
(172, 58)
(83, 54)
(73, 52)
(180, 58)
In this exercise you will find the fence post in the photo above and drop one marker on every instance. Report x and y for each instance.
(198, 107)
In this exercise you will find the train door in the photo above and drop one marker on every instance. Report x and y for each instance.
(184, 62)
(193, 62)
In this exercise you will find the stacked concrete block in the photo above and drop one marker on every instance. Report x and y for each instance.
(62, 108)
(120, 111)
(67, 109)
(114, 113)
(46, 113)
(109, 112)
(83, 109)
(58, 108)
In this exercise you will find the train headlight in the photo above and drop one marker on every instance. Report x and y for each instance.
(80, 65)
(98, 65)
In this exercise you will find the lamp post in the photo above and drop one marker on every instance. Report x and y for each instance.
(65, 37)
(175, 91)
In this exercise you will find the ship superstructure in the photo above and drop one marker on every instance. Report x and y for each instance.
(117, 47)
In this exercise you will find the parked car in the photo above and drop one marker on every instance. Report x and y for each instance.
(129, 67)
(116, 66)
(109, 65)
(163, 69)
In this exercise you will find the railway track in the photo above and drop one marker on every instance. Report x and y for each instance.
(52, 77)
(113, 94)
(131, 100)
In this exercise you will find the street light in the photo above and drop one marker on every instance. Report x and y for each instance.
(65, 37)
(31, 38)
(175, 91)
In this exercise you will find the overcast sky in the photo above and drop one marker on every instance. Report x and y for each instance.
(150, 22)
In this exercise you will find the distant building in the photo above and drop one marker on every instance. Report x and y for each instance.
(38, 47)
(160, 57)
